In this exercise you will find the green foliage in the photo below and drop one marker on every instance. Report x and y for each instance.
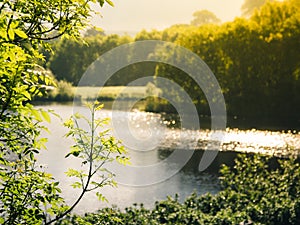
(62, 92)
(258, 190)
(204, 17)
(29, 195)
(255, 60)
(113, 92)
(72, 58)
(267, 196)
(250, 6)
(145, 35)
(94, 31)
(26, 20)
(95, 148)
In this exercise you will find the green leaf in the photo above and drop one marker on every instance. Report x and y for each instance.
(101, 2)
(46, 116)
(36, 114)
(69, 123)
(76, 184)
(78, 116)
(101, 197)
(21, 33)
(73, 173)
(75, 152)
(110, 3)
(67, 155)
(123, 160)
(11, 34)
(31, 155)
(27, 95)
(99, 107)
(14, 24)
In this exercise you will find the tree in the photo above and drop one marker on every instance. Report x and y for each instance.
(28, 195)
(94, 31)
(72, 58)
(204, 17)
(250, 6)
(255, 60)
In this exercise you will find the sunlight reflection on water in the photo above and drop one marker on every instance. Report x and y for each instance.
(277, 143)
(158, 137)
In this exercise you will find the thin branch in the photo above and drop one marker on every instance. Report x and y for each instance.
(103, 162)
(85, 187)
(98, 185)
(2, 6)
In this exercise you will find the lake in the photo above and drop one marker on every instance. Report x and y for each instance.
(152, 139)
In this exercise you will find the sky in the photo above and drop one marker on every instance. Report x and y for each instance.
(131, 16)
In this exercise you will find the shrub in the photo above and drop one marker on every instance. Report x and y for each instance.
(254, 191)
(63, 92)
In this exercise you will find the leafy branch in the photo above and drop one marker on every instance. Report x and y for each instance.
(95, 147)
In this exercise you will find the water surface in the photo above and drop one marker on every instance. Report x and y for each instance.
(155, 139)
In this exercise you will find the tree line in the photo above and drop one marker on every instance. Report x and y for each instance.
(256, 60)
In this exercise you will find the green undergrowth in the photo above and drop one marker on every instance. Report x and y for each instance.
(254, 191)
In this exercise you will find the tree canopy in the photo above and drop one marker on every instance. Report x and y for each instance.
(204, 17)
(255, 59)
(249, 6)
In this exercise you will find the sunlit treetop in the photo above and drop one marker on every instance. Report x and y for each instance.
(280, 18)
(204, 17)
(250, 6)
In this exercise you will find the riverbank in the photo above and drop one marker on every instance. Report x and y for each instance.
(147, 98)
(241, 123)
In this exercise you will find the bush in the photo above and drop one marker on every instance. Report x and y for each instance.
(63, 92)
(254, 191)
